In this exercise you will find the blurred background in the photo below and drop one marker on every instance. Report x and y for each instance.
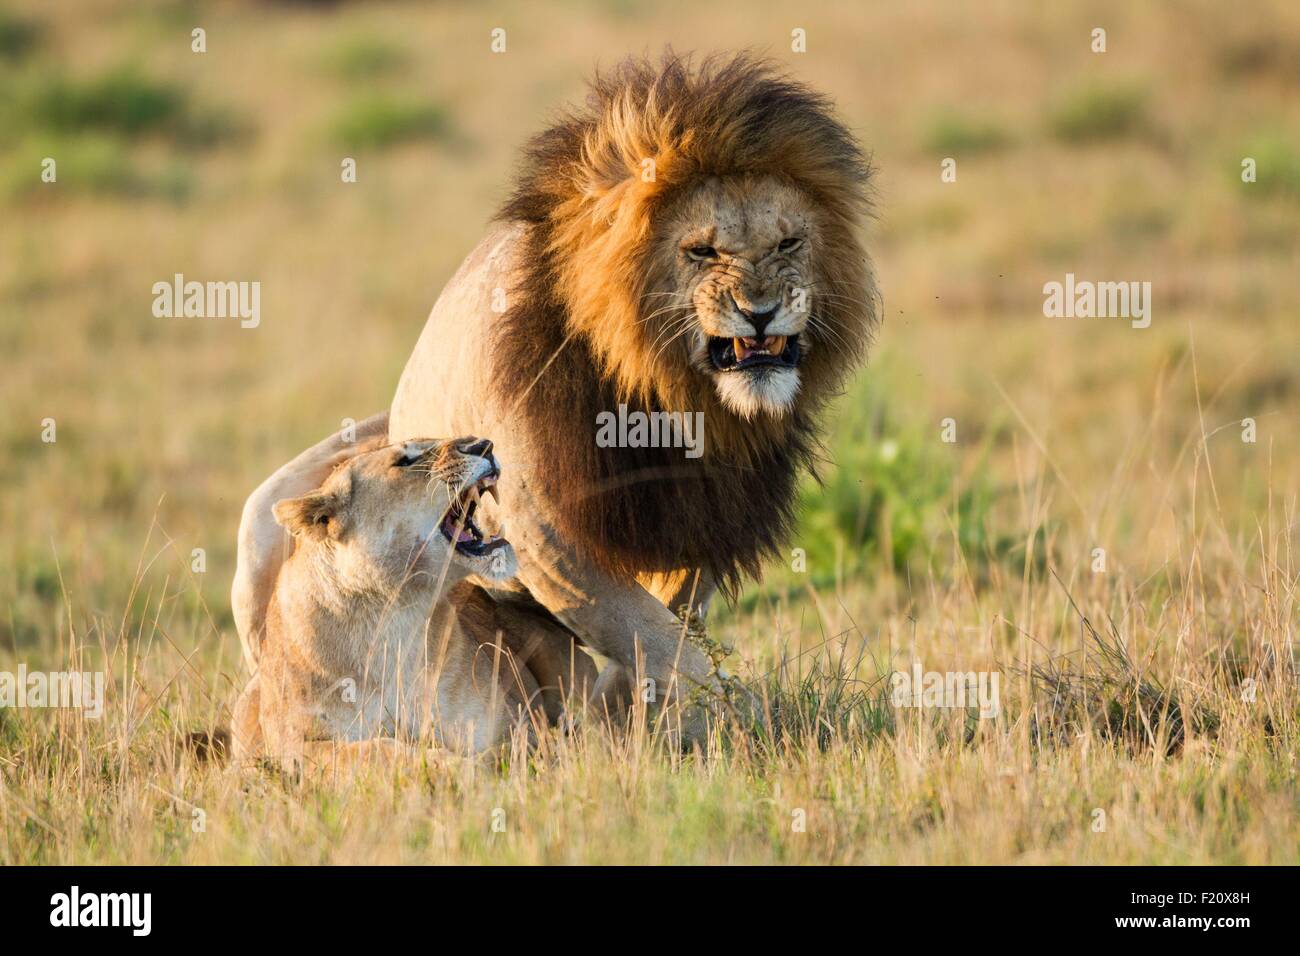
(225, 165)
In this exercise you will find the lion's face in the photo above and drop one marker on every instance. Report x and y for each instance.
(741, 254)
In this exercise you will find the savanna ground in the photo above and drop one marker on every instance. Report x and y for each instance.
(1149, 711)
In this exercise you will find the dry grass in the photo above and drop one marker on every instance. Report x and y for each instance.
(1161, 691)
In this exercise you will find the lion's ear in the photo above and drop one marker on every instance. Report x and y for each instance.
(318, 515)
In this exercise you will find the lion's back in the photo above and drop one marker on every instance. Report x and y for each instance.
(444, 387)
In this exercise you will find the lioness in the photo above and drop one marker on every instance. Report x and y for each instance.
(690, 242)
(369, 631)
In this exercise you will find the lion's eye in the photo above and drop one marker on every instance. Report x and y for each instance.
(702, 252)
(789, 245)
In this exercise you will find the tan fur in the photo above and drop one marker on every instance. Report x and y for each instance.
(371, 631)
(263, 544)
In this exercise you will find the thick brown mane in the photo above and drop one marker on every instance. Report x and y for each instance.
(578, 339)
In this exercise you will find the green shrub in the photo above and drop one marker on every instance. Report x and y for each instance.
(893, 497)
(366, 57)
(1099, 113)
(120, 101)
(950, 134)
(1277, 167)
(17, 37)
(95, 164)
(378, 121)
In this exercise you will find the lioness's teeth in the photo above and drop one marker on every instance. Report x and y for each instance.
(741, 352)
(776, 344)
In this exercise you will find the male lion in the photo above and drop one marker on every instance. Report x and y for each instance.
(370, 634)
(689, 242)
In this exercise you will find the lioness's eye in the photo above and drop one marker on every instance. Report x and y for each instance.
(702, 252)
(789, 245)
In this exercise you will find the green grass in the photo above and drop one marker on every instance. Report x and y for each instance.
(896, 496)
(122, 101)
(1277, 167)
(18, 36)
(378, 121)
(93, 164)
(957, 135)
(98, 126)
(366, 57)
(1100, 113)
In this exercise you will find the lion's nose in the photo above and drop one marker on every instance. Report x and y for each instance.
(759, 320)
(474, 446)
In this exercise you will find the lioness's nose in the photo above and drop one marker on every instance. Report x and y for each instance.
(474, 446)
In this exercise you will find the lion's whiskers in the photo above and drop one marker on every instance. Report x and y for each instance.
(683, 327)
(658, 312)
(671, 325)
(819, 324)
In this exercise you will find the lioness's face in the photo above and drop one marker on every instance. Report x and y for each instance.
(742, 253)
(405, 509)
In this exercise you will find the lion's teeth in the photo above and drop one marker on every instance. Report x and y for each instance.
(776, 344)
(741, 352)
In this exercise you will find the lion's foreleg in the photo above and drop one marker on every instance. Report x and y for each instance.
(687, 587)
(618, 619)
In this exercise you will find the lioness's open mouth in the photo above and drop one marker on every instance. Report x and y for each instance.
(740, 354)
(458, 526)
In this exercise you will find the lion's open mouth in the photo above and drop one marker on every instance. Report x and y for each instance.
(458, 526)
(742, 354)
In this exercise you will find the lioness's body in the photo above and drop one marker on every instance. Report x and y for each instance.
(371, 631)
(423, 678)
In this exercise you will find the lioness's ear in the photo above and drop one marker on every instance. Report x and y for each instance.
(317, 515)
